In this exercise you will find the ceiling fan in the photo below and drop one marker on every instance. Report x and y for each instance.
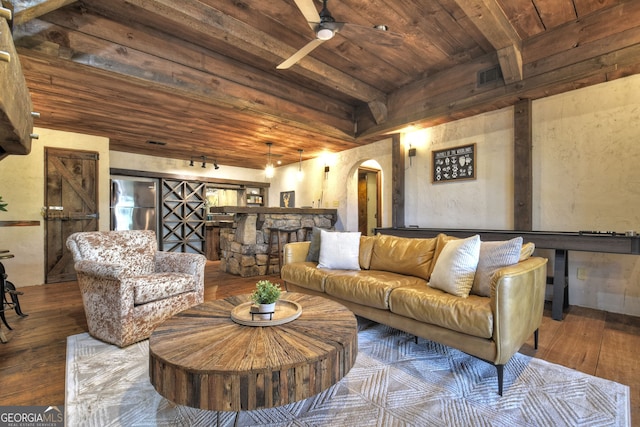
(325, 27)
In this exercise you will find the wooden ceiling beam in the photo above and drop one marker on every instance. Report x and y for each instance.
(467, 99)
(489, 18)
(16, 121)
(26, 10)
(213, 23)
(123, 63)
(587, 51)
(174, 50)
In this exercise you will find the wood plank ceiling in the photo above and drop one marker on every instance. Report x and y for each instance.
(200, 75)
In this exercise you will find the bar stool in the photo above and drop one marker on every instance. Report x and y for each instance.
(282, 237)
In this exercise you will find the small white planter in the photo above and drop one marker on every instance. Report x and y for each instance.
(266, 308)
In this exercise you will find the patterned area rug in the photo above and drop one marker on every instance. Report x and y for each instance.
(395, 382)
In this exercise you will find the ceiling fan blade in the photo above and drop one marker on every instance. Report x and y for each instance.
(300, 54)
(371, 34)
(309, 11)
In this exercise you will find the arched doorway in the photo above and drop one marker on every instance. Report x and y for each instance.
(369, 199)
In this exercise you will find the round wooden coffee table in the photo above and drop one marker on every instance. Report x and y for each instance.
(203, 359)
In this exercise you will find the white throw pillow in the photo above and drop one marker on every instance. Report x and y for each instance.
(493, 256)
(339, 250)
(456, 266)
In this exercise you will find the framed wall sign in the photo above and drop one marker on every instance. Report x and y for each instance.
(288, 199)
(454, 164)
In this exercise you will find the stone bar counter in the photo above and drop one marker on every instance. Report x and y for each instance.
(244, 246)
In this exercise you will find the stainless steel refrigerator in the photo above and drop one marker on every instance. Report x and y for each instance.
(134, 204)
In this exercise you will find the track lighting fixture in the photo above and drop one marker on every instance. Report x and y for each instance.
(203, 159)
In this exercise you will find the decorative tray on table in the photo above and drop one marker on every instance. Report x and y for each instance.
(285, 312)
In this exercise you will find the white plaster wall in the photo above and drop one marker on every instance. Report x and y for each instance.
(586, 177)
(485, 202)
(121, 160)
(338, 188)
(22, 185)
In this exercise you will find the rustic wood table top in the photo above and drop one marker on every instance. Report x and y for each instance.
(203, 359)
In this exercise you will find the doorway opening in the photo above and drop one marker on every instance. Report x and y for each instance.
(369, 200)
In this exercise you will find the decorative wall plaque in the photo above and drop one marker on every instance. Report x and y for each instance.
(454, 164)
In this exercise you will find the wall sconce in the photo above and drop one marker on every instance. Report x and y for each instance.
(412, 154)
(268, 170)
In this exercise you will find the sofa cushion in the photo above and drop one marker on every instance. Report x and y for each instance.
(403, 255)
(157, 286)
(370, 288)
(456, 266)
(339, 250)
(314, 247)
(366, 250)
(306, 275)
(472, 315)
(493, 256)
(527, 251)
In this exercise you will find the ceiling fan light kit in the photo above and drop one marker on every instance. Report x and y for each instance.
(324, 33)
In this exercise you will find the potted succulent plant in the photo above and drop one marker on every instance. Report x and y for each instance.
(266, 295)
(3, 205)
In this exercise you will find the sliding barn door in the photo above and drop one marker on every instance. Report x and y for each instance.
(71, 204)
(183, 216)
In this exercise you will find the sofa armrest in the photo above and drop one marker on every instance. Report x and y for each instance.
(99, 270)
(295, 252)
(106, 292)
(517, 301)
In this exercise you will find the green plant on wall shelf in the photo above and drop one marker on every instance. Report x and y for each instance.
(266, 292)
(3, 206)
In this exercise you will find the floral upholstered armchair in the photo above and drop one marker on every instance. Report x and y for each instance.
(128, 287)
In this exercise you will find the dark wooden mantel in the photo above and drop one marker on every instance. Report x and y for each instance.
(270, 210)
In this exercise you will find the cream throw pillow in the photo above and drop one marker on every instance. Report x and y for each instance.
(339, 250)
(456, 266)
(493, 256)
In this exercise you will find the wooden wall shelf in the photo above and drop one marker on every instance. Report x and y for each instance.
(19, 223)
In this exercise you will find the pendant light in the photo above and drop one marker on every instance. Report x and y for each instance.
(300, 173)
(268, 170)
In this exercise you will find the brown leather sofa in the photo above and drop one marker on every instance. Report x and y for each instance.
(391, 288)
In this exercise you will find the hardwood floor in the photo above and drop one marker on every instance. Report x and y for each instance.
(32, 363)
